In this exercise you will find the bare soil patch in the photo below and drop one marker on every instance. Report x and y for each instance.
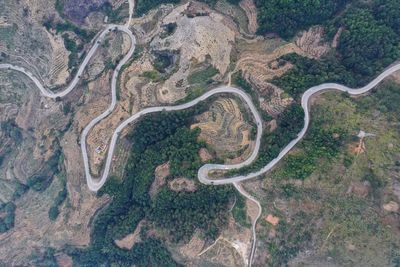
(182, 184)
(160, 173)
(130, 240)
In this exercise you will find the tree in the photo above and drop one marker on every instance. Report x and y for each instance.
(366, 46)
(53, 213)
(287, 17)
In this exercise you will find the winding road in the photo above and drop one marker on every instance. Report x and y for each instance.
(95, 184)
(305, 103)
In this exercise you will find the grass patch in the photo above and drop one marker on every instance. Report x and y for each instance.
(325, 205)
(202, 78)
(152, 75)
(7, 35)
(239, 211)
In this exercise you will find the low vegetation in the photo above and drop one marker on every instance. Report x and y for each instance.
(61, 196)
(321, 142)
(344, 189)
(202, 78)
(115, 15)
(239, 211)
(40, 181)
(7, 211)
(239, 81)
(144, 6)
(7, 35)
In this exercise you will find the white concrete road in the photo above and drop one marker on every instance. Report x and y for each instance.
(95, 184)
(254, 222)
(305, 100)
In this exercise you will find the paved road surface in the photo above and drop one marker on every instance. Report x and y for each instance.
(95, 184)
(305, 100)
(253, 223)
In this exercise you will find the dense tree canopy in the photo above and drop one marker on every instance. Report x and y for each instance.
(365, 45)
(287, 17)
(388, 12)
(309, 72)
(181, 212)
(159, 138)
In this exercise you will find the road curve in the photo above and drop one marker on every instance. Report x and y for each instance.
(96, 42)
(95, 184)
(305, 100)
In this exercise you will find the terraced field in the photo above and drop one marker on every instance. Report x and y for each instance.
(225, 128)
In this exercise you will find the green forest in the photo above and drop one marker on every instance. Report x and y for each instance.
(368, 43)
(287, 17)
(159, 138)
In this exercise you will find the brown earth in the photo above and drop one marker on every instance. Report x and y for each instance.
(251, 12)
(259, 67)
(182, 184)
(160, 173)
(232, 248)
(204, 155)
(251, 209)
(194, 247)
(312, 43)
(225, 129)
(335, 40)
(391, 206)
(63, 260)
(272, 219)
(130, 240)
(196, 39)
